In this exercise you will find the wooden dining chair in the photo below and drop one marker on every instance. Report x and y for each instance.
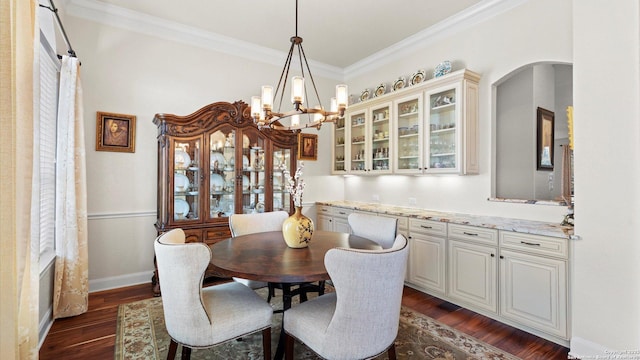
(360, 319)
(199, 317)
(380, 229)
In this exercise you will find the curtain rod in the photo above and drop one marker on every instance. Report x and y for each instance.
(54, 10)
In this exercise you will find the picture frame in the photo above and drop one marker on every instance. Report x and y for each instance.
(307, 146)
(115, 132)
(545, 136)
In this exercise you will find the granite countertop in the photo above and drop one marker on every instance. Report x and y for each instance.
(491, 222)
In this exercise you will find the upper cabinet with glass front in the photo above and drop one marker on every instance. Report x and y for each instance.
(427, 128)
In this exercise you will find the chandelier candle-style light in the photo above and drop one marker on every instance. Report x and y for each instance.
(262, 106)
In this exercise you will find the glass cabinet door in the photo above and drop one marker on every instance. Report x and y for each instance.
(357, 145)
(443, 131)
(222, 172)
(379, 135)
(187, 179)
(253, 172)
(339, 152)
(281, 161)
(408, 135)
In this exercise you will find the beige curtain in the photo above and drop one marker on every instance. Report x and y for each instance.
(19, 273)
(71, 285)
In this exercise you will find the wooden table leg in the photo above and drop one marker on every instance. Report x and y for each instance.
(286, 304)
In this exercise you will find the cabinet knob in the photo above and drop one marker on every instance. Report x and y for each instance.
(501, 257)
(493, 255)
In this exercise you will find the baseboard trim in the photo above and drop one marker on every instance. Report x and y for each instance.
(583, 348)
(115, 282)
(45, 325)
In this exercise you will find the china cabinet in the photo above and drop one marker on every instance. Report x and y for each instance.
(216, 162)
(428, 128)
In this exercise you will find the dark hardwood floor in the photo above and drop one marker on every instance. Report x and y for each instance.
(92, 335)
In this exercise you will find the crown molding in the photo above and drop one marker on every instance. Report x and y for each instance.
(476, 14)
(130, 20)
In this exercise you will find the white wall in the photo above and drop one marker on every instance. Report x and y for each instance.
(606, 285)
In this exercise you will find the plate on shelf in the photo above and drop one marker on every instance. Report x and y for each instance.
(364, 95)
(181, 159)
(245, 182)
(398, 84)
(245, 162)
(216, 182)
(180, 208)
(218, 158)
(180, 183)
(380, 90)
(277, 204)
(418, 77)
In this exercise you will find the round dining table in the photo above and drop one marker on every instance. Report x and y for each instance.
(266, 257)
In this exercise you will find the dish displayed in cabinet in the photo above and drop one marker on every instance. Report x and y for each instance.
(181, 183)
(216, 182)
(245, 162)
(217, 160)
(380, 90)
(180, 208)
(245, 182)
(182, 159)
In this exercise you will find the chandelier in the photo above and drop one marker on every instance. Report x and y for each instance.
(301, 117)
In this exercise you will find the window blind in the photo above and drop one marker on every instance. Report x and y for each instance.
(47, 122)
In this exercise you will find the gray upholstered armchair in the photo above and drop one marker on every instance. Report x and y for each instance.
(199, 317)
(243, 224)
(360, 319)
(380, 229)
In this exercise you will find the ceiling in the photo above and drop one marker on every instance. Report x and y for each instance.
(335, 32)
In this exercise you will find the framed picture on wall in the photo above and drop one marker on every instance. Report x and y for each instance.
(307, 146)
(545, 139)
(115, 132)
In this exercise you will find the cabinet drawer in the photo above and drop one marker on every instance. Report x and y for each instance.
(324, 210)
(341, 212)
(402, 221)
(536, 244)
(474, 234)
(430, 227)
(212, 236)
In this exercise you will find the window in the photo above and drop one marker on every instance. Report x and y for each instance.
(45, 127)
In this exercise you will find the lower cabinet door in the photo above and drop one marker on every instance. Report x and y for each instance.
(534, 291)
(324, 223)
(341, 225)
(427, 262)
(472, 275)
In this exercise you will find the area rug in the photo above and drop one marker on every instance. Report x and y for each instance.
(141, 334)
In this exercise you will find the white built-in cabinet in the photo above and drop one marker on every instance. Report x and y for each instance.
(534, 282)
(473, 266)
(428, 128)
(517, 278)
(427, 243)
(331, 218)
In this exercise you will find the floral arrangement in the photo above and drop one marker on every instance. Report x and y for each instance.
(294, 185)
